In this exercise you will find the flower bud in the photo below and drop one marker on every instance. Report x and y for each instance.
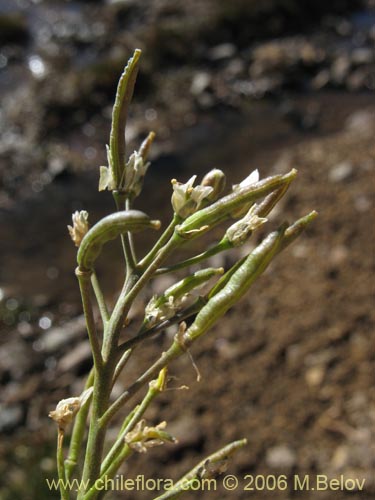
(241, 230)
(67, 409)
(80, 226)
(142, 437)
(216, 179)
(177, 296)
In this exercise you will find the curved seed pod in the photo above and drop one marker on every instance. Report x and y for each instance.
(108, 229)
(237, 285)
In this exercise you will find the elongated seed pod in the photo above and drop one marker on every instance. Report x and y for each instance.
(108, 229)
(237, 285)
(189, 283)
(124, 94)
(222, 209)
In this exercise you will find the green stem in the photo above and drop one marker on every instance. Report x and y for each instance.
(145, 262)
(220, 247)
(84, 285)
(191, 477)
(99, 485)
(60, 465)
(130, 235)
(122, 202)
(127, 297)
(78, 432)
(95, 441)
(146, 334)
(121, 364)
(173, 352)
(100, 298)
(136, 417)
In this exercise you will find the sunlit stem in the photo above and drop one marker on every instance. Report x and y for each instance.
(190, 479)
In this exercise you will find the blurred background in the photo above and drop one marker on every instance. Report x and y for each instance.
(235, 85)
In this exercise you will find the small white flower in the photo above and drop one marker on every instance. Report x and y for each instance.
(250, 179)
(187, 199)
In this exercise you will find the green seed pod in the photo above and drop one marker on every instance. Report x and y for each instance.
(108, 229)
(222, 209)
(235, 288)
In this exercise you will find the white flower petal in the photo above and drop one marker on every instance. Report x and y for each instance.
(250, 179)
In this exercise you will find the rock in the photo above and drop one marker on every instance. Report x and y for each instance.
(235, 68)
(341, 172)
(361, 122)
(75, 357)
(340, 70)
(360, 79)
(222, 51)
(58, 337)
(314, 376)
(10, 417)
(321, 79)
(200, 83)
(281, 457)
(362, 55)
(340, 458)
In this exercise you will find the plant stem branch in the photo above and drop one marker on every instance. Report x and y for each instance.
(84, 285)
(136, 417)
(78, 432)
(145, 262)
(220, 247)
(60, 465)
(199, 471)
(100, 298)
(146, 334)
(173, 352)
(127, 297)
(123, 203)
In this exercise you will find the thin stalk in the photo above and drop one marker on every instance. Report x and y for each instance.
(220, 247)
(190, 479)
(78, 433)
(121, 364)
(100, 298)
(146, 334)
(98, 487)
(60, 465)
(127, 297)
(84, 285)
(145, 262)
(122, 202)
(130, 235)
(138, 414)
(97, 432)
(173, 352)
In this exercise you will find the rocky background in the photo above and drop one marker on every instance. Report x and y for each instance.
(235, 85)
